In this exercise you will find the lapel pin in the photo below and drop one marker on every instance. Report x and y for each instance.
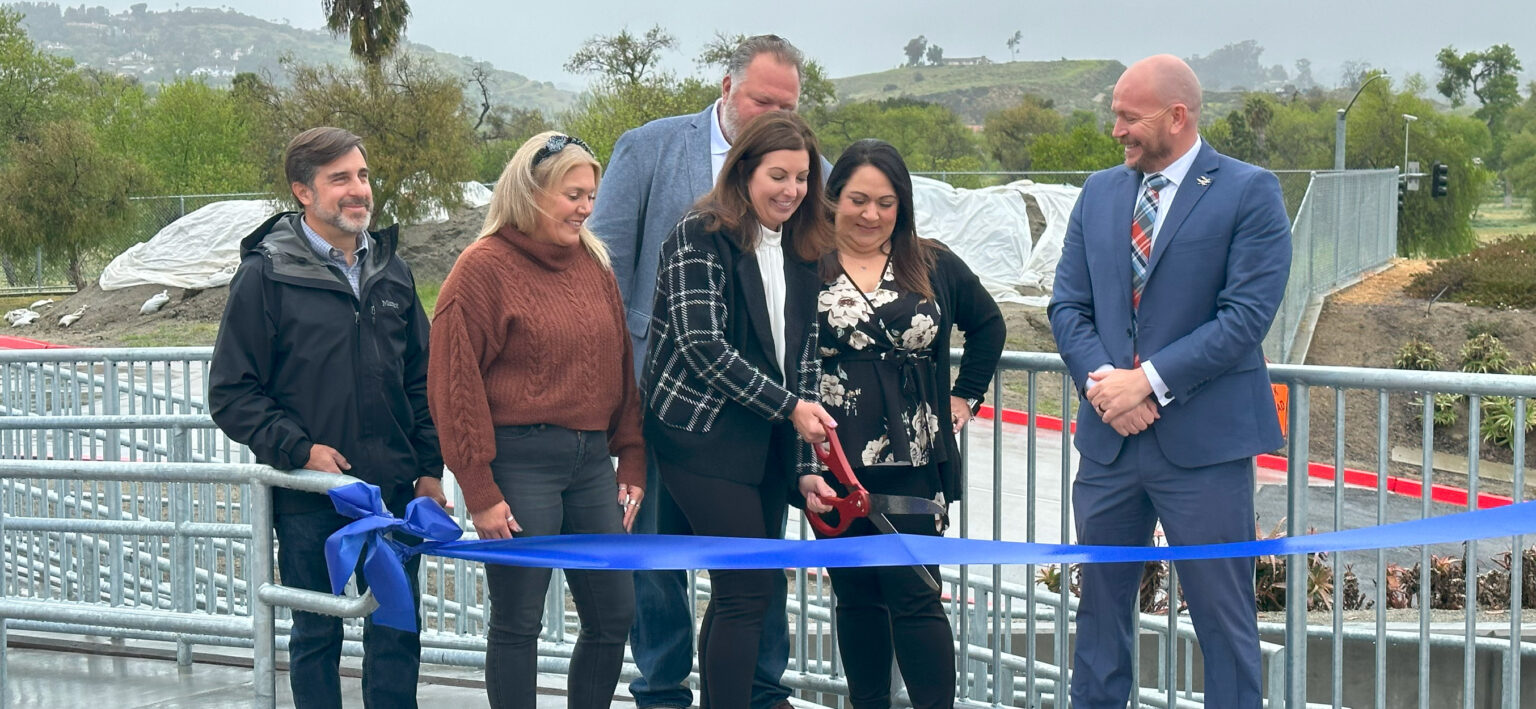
(1203, 181)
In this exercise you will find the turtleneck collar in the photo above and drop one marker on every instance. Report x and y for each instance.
(552, 257)
(771, 237)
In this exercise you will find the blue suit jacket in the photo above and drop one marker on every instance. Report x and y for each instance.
(1216, 276)
(655, 175)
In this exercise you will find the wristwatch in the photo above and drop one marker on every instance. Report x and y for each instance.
(974, 405)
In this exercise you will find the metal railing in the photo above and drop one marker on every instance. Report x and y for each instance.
(149, 523)
(1345, 228)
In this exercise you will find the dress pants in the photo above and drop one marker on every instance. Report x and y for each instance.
(1120, 504)
(741, 600)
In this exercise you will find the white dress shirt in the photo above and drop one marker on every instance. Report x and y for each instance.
(718, 145)
(770, 262)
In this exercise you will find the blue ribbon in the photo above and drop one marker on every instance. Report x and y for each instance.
(383, 557)
(649, 551)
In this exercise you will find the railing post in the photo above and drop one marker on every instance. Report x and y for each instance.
(5, 497)
(1296, 564)
(183, 558)
(263, 626)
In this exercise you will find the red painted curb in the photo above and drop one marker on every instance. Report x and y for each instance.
(1401, 486)
(12, 342)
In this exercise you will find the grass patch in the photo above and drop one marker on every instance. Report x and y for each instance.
(1496, 222)
(174, 334)
(426, 292)
(1498, 275)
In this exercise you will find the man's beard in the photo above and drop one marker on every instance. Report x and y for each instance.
(340, 220)
(730, 120)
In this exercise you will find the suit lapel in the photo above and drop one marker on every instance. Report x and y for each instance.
(750, 276)
(1189, 194)
(698, 172)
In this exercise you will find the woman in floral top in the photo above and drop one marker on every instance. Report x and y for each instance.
(886, 310)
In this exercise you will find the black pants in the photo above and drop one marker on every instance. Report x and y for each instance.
(739, 599)
(890, 610)
(556, 481)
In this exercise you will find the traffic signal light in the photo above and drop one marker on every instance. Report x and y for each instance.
(1440, 179)
(1402, 193)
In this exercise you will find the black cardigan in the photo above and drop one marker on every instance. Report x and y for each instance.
(963, 302)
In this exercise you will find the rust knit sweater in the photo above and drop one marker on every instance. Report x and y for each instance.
(529, 333)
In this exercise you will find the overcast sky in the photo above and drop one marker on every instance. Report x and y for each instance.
(862, 36)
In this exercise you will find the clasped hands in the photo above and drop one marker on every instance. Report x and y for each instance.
(1123, 399)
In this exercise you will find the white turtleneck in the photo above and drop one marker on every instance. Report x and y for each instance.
(770, 261)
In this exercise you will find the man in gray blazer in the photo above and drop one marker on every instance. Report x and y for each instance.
(656, 173)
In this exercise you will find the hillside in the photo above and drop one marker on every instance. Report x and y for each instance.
(159, 47)
(975, 91)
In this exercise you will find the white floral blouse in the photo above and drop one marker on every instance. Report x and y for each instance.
(878, 370)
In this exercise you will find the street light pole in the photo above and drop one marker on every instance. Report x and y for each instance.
(1338, 123)
(1408, 120)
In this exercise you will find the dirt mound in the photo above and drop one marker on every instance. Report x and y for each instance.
(192, 316)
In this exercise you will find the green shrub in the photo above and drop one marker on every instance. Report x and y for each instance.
(1418, 355)
(1447, 408)
(1497, 275)
(1499, 420)
(1484, 354)
(1483, 327)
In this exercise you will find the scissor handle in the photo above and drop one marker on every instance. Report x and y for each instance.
(850, 506)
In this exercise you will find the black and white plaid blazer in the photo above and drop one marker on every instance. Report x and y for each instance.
(712, 388)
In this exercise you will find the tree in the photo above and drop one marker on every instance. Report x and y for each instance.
(1519, 156)
(372, 26)
(411, 116)
(1234, 66)
(62, 193)
(1491, 76)
(623, 57)
(501, 133)
(915, 49)
(195, 139)
(1009, 133)
(931, 137)
(1013, 44)
(935, 55)
(32, 83)
(1085, 147)
(1303, 79)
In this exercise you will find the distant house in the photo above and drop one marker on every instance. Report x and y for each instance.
(966, 61)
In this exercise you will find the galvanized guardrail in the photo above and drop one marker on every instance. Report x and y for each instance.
(124, 535)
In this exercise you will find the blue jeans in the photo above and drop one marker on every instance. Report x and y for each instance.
(391, 658)
(662, 637)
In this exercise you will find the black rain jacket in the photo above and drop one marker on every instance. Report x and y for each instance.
(300, 360)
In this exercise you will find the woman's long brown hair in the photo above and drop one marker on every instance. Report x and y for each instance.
(728, 207)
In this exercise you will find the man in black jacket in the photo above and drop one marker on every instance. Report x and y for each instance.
(321, 363)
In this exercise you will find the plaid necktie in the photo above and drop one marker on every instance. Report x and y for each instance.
(1141, 234)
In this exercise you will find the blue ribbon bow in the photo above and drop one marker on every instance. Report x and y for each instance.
(383, 557)
(651, 551)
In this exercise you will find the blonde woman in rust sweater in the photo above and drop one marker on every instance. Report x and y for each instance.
(531, 381)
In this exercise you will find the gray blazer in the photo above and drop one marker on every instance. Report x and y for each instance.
(655, 175)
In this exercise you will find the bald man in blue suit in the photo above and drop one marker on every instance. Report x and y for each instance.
(1172, 270)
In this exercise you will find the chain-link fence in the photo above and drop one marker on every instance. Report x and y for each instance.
(1346, 226)
(41, 273)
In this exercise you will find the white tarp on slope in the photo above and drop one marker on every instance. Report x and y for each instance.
(989, 229)
(202, 249)
(199, 250)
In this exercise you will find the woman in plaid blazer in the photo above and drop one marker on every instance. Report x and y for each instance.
(733, 371)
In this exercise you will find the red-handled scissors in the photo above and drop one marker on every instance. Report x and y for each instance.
(860, 502)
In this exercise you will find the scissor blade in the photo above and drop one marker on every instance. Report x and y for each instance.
(905, 505)
(884, 525)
